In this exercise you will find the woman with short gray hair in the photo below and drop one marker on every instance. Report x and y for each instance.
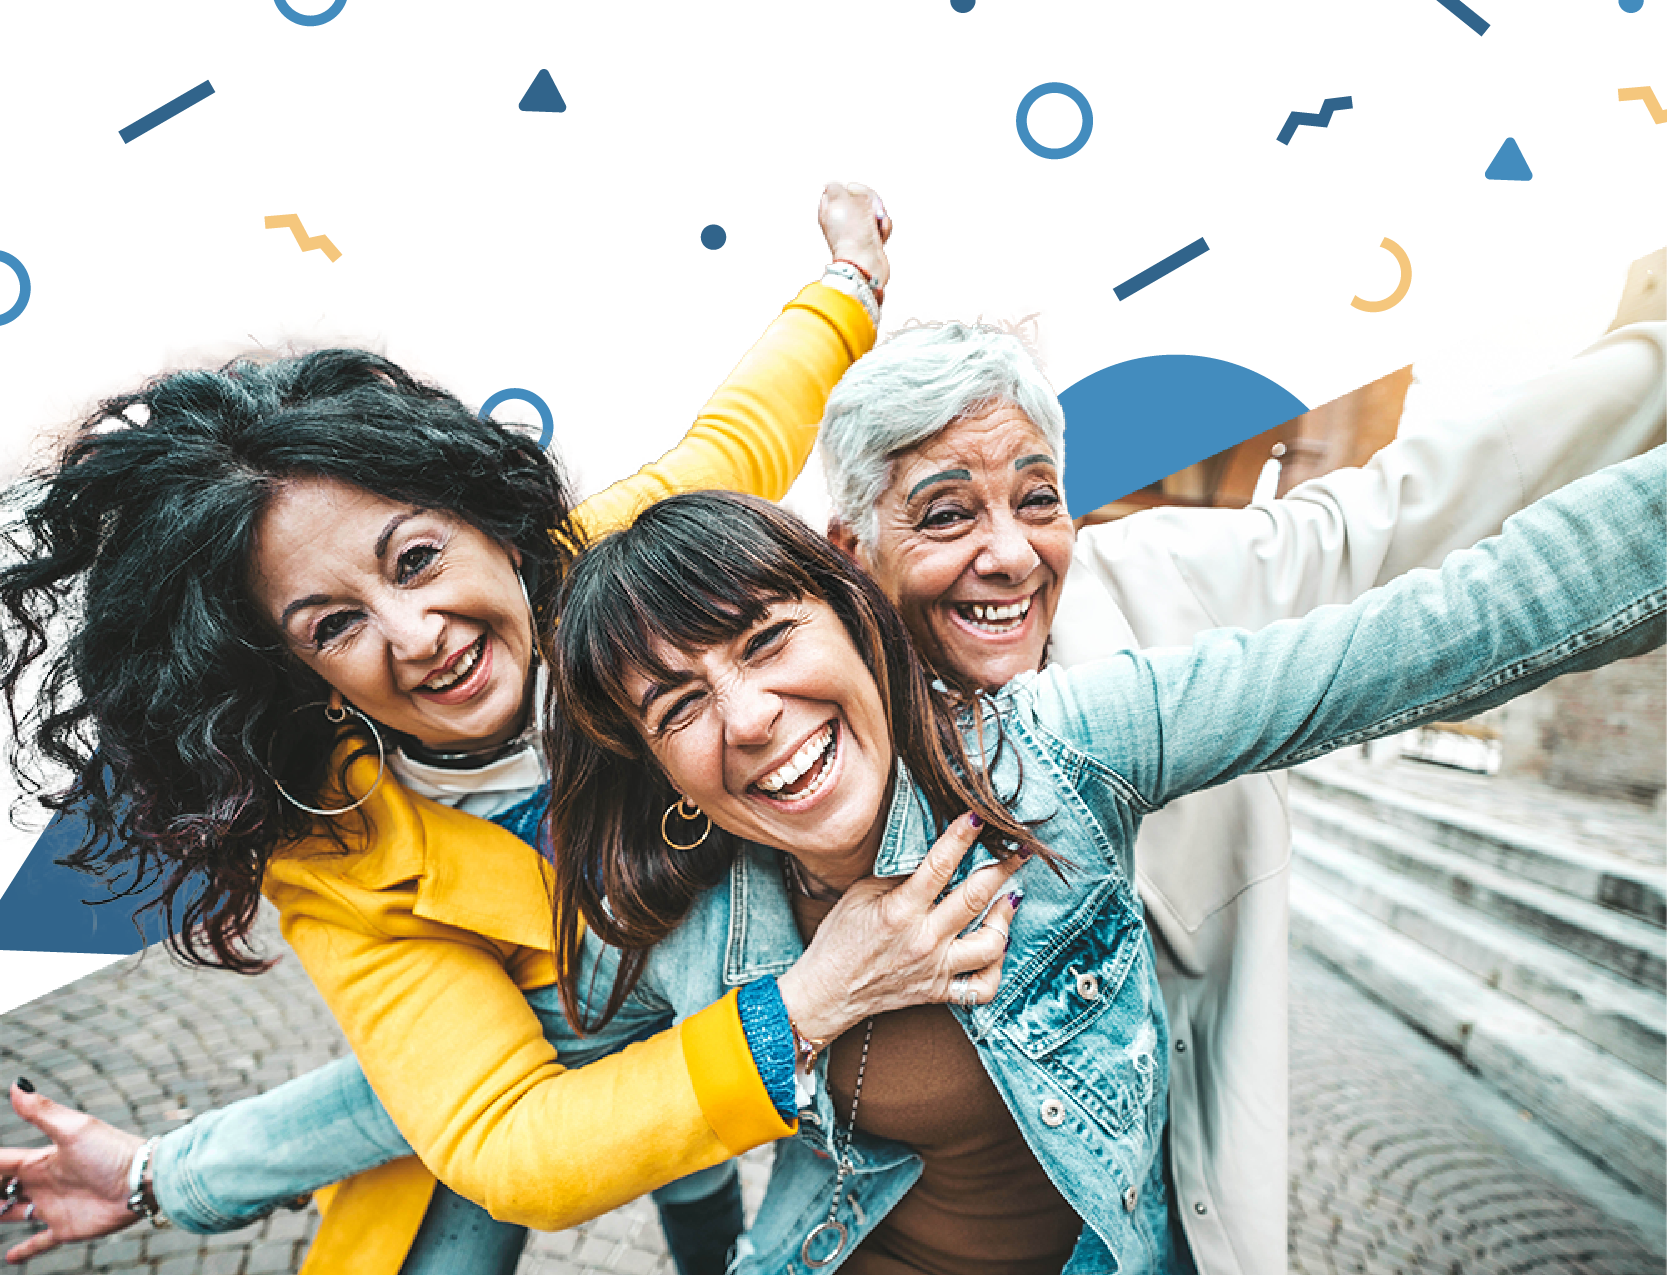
(943, 451)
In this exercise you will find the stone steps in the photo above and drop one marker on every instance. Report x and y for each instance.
(1534, 956)
(1617, 941)
(1608, 1109)
(1624, 1020)
(1542, 858)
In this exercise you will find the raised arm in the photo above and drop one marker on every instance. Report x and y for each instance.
(756, 432)
(1575, 581)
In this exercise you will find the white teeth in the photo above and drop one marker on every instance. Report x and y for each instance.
(810, 752)
(459, 671)
(996, 616)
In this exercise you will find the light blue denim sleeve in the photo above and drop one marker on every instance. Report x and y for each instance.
(233, 1166)
(1574, 581)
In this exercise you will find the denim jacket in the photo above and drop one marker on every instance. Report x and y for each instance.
(1075, 1040)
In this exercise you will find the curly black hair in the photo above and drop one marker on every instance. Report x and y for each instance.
(132, 653)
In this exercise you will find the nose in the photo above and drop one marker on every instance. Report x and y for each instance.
(1007, 553)
(749, 712)
(413, 631)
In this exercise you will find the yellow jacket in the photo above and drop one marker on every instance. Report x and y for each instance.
(424, 936)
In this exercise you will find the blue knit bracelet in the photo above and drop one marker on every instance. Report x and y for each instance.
(770, 1037)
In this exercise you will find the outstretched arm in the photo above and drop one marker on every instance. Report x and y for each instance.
(1575, 581)
(610, 1129)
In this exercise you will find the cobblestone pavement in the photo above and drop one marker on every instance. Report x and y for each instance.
(1391, 1172)
(1403, 1162)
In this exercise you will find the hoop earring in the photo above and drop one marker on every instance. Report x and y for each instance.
(335, 714)
(690, 815)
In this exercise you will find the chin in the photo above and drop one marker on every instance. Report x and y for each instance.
(991, 670)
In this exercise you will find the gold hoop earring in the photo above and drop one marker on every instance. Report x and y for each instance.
(690, 815)
(336, 714)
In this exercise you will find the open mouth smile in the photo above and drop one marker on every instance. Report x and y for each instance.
(994, 619)
(806, 772)
(457, 673)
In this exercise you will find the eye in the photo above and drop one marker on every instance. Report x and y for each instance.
(1041, 500)
(332, 626)
(678, 712)
(769, 636)
(942, 518)
(413, 561)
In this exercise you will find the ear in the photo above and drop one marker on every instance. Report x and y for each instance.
(844, 539)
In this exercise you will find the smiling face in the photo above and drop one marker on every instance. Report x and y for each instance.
(416, 617)
(778, 734)
(973, 543)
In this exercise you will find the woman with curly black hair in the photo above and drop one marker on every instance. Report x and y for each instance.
(281, 623)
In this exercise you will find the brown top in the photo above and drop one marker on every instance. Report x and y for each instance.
(983, 1205)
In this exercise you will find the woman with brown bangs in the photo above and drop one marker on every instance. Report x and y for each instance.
(290, 619)
(745, 736)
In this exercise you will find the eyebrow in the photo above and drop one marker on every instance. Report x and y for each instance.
(657, 690)
(311, 600)
(318, 599)
(388, 531)
(946, 476)
(1040, 458)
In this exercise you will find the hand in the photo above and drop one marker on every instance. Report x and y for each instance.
(1644, 297)
(78, 1185)
(886, 946)
(855, 224)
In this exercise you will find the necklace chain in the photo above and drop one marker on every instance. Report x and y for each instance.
(794, 876)
(832, 1223)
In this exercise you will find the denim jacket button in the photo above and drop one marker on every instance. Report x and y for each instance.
(1053, 1112)
(1088, 986)
(1131, 1197)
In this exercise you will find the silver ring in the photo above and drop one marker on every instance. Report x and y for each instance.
(13, 1186)
(961, 992)
(6, 1206)
(29, 1213)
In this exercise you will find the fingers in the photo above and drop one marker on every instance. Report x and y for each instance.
(876, 206)
(968, 900)
(978, 987)
(927, 881)
(53, 1119)
(986, 946)
(38, 1243)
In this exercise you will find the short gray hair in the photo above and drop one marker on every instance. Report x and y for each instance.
(916, 384)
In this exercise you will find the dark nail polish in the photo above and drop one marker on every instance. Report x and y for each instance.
(976, 821)
(23, 1084)
(1015, 898)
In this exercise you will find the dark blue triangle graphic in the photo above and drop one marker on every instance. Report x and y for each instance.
(43, 909)
(543, 95)
(1509, 165)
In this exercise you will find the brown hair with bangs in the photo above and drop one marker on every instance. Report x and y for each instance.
(692, 572)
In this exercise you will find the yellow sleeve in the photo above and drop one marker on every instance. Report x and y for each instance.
(756, 432)
(459, 1059)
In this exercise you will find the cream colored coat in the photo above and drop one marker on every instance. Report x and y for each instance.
(1214, 868)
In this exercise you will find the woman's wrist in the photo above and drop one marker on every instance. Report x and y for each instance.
(815, 1013)
(847, 277)
(141, 1184)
